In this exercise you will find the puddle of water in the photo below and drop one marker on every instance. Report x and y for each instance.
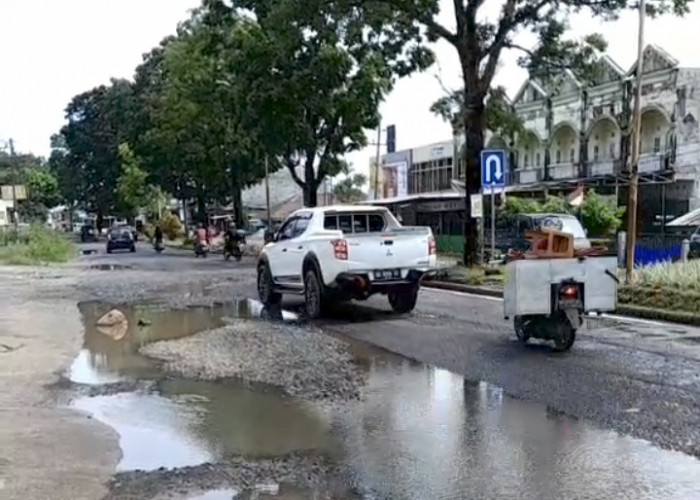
(192, 422)
(106, 359)
(419, 433)
(164, 442)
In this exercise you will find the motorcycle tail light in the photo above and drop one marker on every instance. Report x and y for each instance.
(569, 292)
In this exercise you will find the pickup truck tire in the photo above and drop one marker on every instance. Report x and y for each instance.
(313, 295)
(266, 287)
(404, 301)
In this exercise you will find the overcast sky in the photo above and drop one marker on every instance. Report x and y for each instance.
(52, 50)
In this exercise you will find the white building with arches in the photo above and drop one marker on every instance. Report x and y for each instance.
(579, 134)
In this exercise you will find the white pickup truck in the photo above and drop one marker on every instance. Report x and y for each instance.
(339, 253)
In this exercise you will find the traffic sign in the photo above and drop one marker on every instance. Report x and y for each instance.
(493, 168)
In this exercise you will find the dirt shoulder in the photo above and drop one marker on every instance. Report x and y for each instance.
(49, 451)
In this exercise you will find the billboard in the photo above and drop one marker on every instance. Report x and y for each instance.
(391, 180)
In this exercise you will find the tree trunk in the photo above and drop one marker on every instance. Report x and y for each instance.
(238, 207)
(310, 194)
(310, 183)
(474, 120)
(201, 208)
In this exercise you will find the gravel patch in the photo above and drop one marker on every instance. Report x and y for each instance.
(302, 362)
(237, 473)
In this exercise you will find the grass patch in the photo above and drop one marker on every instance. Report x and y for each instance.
(678, 275)
(38, 245)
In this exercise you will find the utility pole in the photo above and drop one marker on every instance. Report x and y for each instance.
(15, 212)
(267, 192)
(632, 193)
(377, 161)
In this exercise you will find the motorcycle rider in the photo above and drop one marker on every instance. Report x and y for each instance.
(231, 238)
(158, 235)
(202, 236)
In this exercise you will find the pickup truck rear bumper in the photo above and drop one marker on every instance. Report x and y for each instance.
(360, 283)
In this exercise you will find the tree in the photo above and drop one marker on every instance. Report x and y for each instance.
(600, 216)
(481, 41)
(317, 72)
(349, 190)
(132, 184)
(198, 140)
(89, 153)
(42, 187)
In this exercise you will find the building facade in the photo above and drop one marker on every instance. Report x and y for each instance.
(578, 134)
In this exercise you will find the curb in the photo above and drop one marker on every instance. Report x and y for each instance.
(630, 310)
(459, 287)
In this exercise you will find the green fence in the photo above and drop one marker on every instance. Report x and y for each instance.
(448, 244)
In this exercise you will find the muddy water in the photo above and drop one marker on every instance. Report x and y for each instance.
(420, 432)
(108, 358)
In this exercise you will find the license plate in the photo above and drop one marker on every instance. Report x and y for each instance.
(387, 274)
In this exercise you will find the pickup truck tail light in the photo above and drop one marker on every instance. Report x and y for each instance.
(432, 249)
(340, 249)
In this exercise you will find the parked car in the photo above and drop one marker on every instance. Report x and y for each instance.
(340, 253)
(515, 239)
(121, 239)
(88, 233)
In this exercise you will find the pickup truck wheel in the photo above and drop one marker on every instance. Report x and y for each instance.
(313, 295)
(404, 301)
(266, 287)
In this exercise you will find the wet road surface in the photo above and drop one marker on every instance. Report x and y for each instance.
(420, 432)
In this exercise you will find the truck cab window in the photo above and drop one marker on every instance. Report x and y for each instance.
(286, 232)
(376, 223)
(359, 223)
(300, 226)
(330, 222)
(345, 223)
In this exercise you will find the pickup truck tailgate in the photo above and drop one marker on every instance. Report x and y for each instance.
(401, 248)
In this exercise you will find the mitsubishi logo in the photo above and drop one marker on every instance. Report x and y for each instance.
(388, 252)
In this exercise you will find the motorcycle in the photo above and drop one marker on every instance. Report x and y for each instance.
(561, 325)
(233, 247)
(158, 246)
(201, 250)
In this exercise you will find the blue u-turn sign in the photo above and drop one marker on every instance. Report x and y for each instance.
(493, 168)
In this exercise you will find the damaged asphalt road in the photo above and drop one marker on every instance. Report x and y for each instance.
(639, 379)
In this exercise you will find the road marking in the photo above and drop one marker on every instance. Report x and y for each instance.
(623, 319)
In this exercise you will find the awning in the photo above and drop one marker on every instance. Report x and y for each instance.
(690, 219)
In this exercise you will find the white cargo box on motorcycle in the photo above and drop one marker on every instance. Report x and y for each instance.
(529, 282)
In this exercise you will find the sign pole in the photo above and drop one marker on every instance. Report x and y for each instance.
(493, 223)
(482, 229)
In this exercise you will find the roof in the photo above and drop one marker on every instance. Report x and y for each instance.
(341, 208)
(690, 219)
(442, 195)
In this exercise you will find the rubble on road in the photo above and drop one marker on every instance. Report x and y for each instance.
(301, 362)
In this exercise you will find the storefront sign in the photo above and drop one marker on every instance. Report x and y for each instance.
(477, 204)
